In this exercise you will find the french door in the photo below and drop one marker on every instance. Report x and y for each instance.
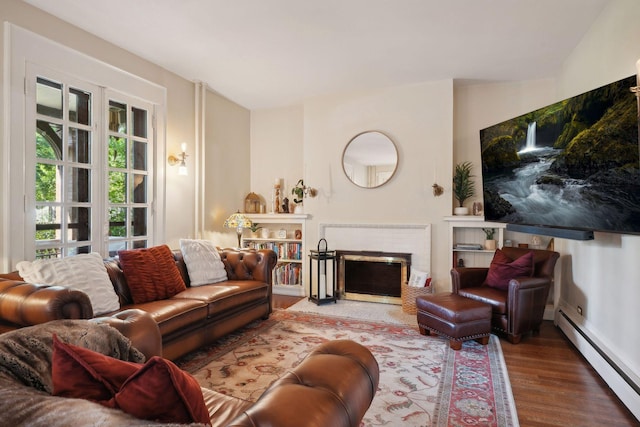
(88, 168)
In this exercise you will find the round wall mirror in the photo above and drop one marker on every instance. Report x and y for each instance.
(370, 159)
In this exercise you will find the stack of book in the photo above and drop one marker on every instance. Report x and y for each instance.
(468, 246)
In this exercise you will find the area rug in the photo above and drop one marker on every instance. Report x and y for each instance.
(422, 381)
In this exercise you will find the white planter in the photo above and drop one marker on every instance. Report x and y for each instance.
(299, 209)
(461, 211)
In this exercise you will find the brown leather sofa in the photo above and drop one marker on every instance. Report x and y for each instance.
(520, 309)
(192, 318)
(333, 386)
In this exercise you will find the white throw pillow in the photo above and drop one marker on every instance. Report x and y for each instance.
(84, 272)
(203, 262)
(418, 278)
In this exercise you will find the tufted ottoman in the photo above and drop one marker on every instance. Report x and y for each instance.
(454, 317)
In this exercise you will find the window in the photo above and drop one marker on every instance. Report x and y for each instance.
(76, 151)
(128, 201)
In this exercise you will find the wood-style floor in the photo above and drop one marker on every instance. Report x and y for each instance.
(553, 385)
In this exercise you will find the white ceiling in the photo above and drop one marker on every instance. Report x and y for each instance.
(270, 53)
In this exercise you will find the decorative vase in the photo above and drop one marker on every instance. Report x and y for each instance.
(490, 245)
(299, 209)
(461, 211)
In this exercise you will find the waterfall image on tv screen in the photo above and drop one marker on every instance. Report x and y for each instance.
(573, 164)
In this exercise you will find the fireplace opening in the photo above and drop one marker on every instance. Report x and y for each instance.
(372, 276)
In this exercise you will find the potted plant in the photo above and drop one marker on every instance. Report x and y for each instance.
(299, 191)
(489, 243)
(254, 229)
(463, 186)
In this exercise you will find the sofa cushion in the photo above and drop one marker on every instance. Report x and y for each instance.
(229, 295)
(203, 262)
(83, 272)
(502, 269)
(175, 315)
(157, 390)
(151, 273)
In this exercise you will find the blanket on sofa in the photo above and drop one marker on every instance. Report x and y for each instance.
(26, 353)
(25, 376)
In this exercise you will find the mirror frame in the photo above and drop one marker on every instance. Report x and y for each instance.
(395, 149)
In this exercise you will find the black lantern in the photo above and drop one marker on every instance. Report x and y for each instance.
(324, 288)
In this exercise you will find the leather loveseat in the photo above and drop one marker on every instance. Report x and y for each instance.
(192, 318)
(333, 386)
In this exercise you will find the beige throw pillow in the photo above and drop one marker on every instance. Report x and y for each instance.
(83, 272)
(203, 262)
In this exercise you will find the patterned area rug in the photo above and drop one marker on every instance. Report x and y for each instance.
(422, 381)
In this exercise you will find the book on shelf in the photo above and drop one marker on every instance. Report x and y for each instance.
(287, 274)
(284, 250)
(468, 246)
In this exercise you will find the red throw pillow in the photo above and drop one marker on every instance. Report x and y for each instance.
(157, 390)
(86, 374)
(163, 392)
(151, 273)
(503, 269)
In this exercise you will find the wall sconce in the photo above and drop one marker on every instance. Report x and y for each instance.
(180, 160)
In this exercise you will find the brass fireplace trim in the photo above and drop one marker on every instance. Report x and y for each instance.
(342, 294)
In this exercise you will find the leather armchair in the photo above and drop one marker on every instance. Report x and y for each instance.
(519, 309)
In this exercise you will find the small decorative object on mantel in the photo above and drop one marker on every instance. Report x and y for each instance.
(300, 191)
(275, 199)
(252, 203)
(477, 208)
(463, 187)
(489, 243)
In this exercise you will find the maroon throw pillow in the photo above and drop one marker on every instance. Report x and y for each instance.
(503, 269)
(157, 390)
(85, 374)
(151, 273)
(162, 392)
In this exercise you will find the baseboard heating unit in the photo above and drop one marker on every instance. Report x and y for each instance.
(623, 385)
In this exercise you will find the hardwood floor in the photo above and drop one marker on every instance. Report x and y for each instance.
(553, 385)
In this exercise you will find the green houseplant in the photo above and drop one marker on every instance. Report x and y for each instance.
(490, 242)
(463, 186)
(298, 191)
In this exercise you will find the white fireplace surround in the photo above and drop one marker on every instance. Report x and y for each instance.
(407, 238)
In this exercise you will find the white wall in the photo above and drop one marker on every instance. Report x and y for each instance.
(277, 141)
(603, 276)
(226, 174)
(418, 118)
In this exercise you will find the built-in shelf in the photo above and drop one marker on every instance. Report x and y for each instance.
(278, 232)
(468, 229)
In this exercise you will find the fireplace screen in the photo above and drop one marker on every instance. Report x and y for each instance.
(372, 276)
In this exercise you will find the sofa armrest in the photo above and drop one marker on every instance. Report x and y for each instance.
(333, 386)
(249, 264)
(139, 327)
(467, 277)
(26, 304)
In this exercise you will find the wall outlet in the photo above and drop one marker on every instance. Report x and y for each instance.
(580, 310)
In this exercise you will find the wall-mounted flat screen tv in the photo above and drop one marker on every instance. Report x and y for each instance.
(573, 164)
